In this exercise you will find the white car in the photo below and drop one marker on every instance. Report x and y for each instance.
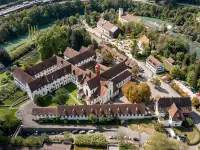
(82, 132)
(90, 131)
(43, 133)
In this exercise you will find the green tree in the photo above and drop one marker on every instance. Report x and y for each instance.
(156, 82)
(191, 79)
(135, 70)
(102, 119)
(4, 57)
(92, 118)
(119, 37)
(195, 101)
(72, 20)
(175, 72)
(60, 99)
(39, 100)
(60, 91)
(159, 127)
(107, 56)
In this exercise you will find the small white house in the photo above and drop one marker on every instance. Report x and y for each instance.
(176, 108)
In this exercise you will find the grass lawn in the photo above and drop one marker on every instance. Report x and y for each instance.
(70, 101)
(144, 125)
(73, 90)
(167, 66)
(198, 14)
(3, 75)
(193, 135)
(4, 111)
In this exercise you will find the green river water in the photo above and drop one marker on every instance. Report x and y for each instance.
(22, 39)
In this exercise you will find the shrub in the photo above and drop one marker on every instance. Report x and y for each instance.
(123, 122)
(36, 140)
(4, 80)
(68, 136)
(91, 140)
(17, 141)
(159, 127)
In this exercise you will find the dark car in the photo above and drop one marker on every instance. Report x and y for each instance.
(136, 139)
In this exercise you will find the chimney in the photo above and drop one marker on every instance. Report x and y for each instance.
(97, 70)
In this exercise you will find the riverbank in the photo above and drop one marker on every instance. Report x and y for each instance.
(24, 38)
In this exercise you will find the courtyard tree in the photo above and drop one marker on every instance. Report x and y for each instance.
(39, 100)
(60, 99)
(107, 56)
(135, 70)
(156, 82)
(136, 93)
(61, 91)
(195, 101)
(92, 118)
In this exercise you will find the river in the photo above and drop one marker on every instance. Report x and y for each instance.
(23, 38)
(194, 46)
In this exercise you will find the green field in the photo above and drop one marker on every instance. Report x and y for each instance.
(5, 110)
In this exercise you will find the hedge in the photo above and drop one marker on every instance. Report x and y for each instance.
(91, 140)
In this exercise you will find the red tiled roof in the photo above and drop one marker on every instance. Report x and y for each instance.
(22, 76)
(170, 60)
(175, 113)
(69, 52)
(144, 39)
(154, 61)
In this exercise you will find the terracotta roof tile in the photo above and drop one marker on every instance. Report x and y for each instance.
(144, 39)
(175, 113)
(130, 18)
(152, 60)
(69, 52)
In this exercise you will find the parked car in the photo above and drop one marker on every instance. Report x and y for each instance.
(136, 139)
(43, 133)
(75, 131)
(82, 132)
(66, 142)
(90, 131)
(110, 137)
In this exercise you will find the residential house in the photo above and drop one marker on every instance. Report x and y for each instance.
(108, 29)
(143, 43)
(177, 108)
(154, 65)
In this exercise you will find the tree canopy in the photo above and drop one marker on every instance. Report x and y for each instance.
(4, 57)
(136, 93)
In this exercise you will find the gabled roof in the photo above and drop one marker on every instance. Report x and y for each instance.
(121, 77)
(183, 103)
(81, 57)
(69, 52)
(170, 60)
(153, 61)
(112, 72)
(55, 60)
(38, 83)
(175, 113)
(144, 39)
(44, 111)
(83, 49)
(22, 76)
(130, 63)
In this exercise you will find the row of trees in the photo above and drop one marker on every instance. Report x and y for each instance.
(55, 40)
